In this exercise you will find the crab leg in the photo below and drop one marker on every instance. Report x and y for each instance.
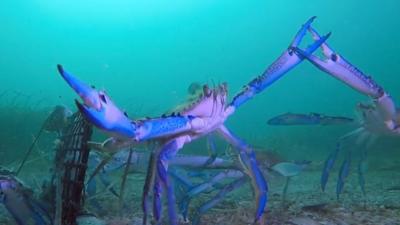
(218, 198)
(343, 174)
(220, 176)
(212, 150)
(288, 60)
(338, 67)
(184, 205)
(140, 161)
(149, 183)
(330, 161)
(167, 152)
(24, 210)
(249, 162)
(361, 169)
(157, 199)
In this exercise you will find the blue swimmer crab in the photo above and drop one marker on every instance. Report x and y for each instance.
(20, 202)
(379, 118)
(206, 115)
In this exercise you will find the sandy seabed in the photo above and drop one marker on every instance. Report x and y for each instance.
(305, 204)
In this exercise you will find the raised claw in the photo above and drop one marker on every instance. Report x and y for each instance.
(338, 67)
(326, 50)
(287, 61)
(335, 65)
(302, 32)
(99, 108)
(89, 95)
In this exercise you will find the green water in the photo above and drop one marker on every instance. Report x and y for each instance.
(146, 53)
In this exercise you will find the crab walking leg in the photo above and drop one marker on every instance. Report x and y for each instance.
(338, 67)
(343, 174)
(20, 205)
(201, 162)
(181, 178)
(149, 183)
(217, 178)
(140, 161)
(218, 198)
(193, 192)
(157, 199)
(168, 152)
(288, 60)
(249, 162)
(361, 170)
(328, 166)
(211, 149)
(330, 161)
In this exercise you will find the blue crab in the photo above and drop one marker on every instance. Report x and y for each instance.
(205, 116)
(379, 118)
(20, 202)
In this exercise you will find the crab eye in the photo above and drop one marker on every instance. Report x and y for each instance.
(334, 57)
(103, 98)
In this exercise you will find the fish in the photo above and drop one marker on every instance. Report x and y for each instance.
(293, 119)
(289, 169)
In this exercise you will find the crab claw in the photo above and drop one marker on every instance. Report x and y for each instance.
(109, 118)
(318, 41)
(338, 67)
(88, 94)
(99, 109)
(287, 61)
(302, 32)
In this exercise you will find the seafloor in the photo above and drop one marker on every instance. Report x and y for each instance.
(305, 204)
